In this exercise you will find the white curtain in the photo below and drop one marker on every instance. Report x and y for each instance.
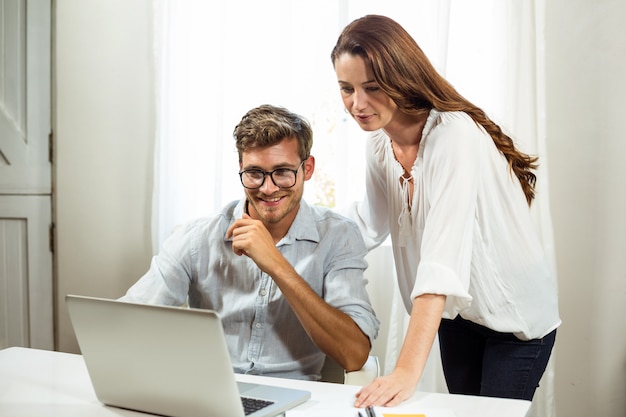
(216, 60)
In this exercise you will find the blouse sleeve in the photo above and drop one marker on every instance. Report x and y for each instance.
(371, 214)
(451, 172)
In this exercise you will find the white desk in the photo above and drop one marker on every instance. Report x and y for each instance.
(45, 383)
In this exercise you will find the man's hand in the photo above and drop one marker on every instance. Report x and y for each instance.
(251, 238)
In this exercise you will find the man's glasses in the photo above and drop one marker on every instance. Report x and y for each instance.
(281, 177)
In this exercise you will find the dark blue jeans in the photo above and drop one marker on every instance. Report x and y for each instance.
(480, 361)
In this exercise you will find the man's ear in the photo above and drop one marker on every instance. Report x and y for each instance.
(309, 167)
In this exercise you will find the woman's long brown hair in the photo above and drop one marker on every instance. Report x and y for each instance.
(407, 76)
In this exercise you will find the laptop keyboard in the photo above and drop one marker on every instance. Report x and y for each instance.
(250, 405)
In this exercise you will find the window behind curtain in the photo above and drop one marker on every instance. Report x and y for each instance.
(218, 60)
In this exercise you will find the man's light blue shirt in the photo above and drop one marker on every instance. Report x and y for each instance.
(263, 334)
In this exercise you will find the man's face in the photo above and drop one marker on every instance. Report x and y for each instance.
(275, 206)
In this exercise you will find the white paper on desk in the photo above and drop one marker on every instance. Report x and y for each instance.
(413, 411)
(319, 413)
(408, 411)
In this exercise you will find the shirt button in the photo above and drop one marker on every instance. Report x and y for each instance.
(257, 325)
(263, 293)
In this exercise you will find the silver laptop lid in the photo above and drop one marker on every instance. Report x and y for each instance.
(164, 360)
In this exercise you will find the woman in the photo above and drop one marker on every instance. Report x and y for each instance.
(453, 192)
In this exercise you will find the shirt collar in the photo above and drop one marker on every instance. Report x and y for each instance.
(302, 228)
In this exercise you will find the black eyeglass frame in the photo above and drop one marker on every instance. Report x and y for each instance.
(271, 175)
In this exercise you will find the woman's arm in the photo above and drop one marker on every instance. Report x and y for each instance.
(396, 387)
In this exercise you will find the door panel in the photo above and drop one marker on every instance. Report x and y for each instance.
(26, 312)
(25, 97)
(26, 284)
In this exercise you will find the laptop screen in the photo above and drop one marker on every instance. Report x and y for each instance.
(165, 360)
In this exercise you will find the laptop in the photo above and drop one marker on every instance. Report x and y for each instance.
(170, 361)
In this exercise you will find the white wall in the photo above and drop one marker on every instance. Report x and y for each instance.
(104, 128)
(586, 106)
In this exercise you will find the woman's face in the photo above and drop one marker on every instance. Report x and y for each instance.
(362, 97)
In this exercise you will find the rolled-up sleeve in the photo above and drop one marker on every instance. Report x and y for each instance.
(345, 284)
(167, 280)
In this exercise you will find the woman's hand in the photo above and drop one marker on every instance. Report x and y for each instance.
(388, 390)
(392, 389)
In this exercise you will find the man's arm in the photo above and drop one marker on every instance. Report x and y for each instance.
(167, 280)
(333, 331)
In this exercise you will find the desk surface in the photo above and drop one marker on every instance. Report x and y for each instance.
(39, 382)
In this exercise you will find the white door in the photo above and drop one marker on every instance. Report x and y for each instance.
(26, 291)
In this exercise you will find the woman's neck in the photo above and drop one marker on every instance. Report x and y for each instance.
(406, 130)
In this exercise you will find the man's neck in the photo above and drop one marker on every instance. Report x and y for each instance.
(278, 230)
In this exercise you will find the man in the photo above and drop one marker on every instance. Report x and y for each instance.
(286, 278)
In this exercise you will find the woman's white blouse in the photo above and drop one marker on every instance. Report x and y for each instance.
(468, 232)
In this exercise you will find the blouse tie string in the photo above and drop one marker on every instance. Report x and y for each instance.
(404, 220)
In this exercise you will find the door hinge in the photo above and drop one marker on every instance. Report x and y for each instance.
(52, 236)
(50, 147)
